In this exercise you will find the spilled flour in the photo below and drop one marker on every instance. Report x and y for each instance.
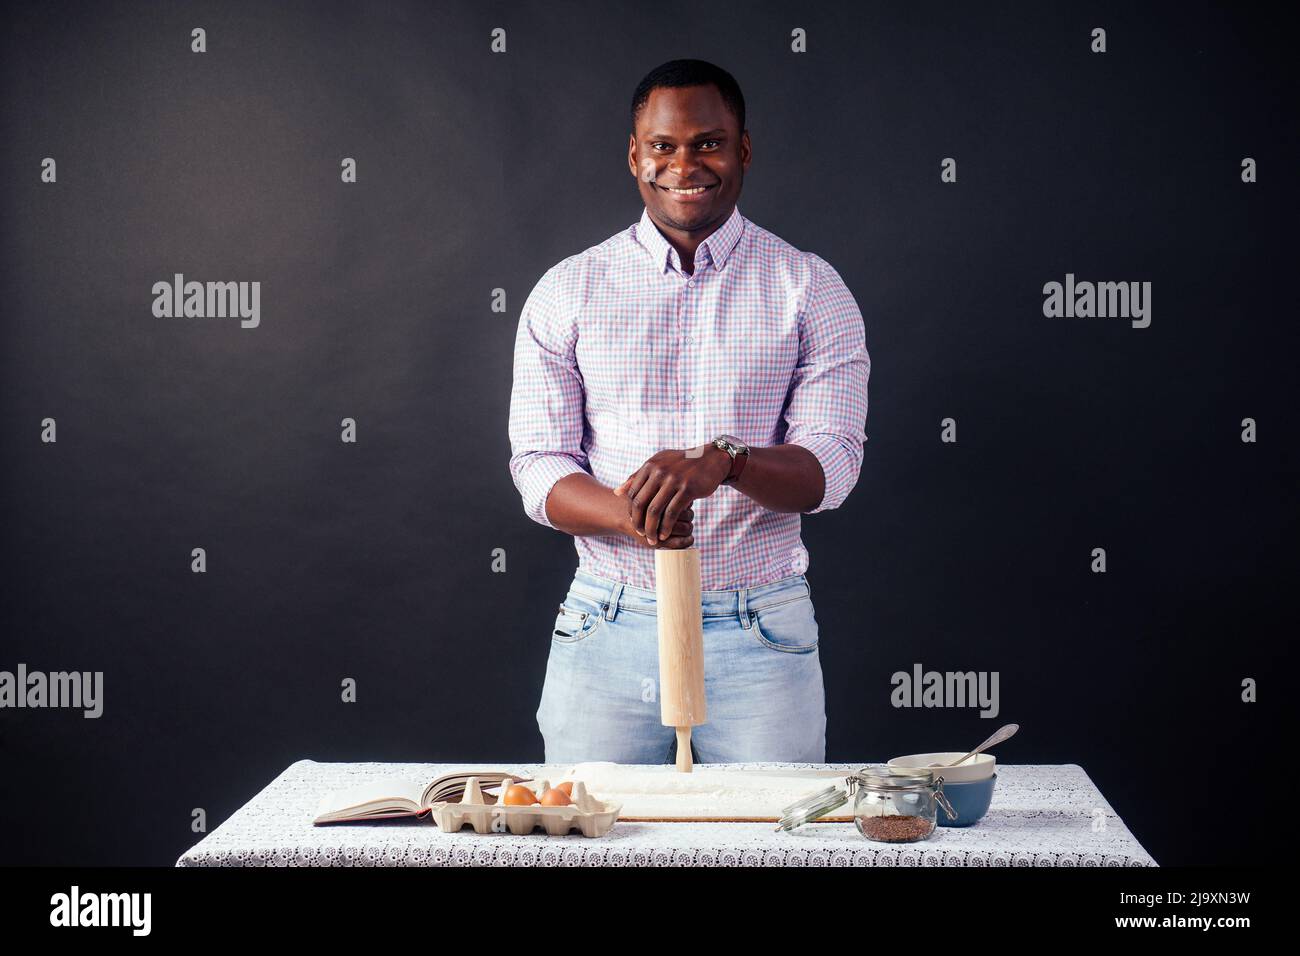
(662, 793)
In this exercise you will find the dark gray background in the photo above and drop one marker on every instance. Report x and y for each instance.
(479, 171)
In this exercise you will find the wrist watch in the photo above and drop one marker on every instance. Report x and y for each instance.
(739, 453)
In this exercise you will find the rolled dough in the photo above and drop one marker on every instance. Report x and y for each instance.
(663, 793)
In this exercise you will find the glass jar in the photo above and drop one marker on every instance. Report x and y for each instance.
(892, 807)
(888, 806)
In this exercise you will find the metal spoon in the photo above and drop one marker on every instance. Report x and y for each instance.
(1001, 734)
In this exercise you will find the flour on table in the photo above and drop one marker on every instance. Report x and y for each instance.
(663, 792)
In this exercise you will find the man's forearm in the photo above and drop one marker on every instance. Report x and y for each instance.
(580, 505)
(785, 478)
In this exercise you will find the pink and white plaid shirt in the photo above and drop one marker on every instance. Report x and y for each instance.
(620, 354)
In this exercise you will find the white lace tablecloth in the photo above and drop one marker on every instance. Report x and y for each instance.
(1042, 815)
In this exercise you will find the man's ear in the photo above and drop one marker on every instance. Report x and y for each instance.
(631, 155)
(745, 149)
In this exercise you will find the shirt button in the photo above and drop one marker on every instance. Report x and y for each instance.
(690, 340)
(690, 397)
(691, 283)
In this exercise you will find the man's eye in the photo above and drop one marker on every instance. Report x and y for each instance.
(655, 146)
(708, 141)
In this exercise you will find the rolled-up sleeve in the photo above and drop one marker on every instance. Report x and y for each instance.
(826, 410)
(546, 400)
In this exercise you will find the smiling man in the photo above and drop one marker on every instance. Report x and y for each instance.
(692, 381)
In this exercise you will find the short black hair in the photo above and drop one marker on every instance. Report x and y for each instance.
(679, 73)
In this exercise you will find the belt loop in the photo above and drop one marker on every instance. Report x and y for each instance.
(611, 605)
(742, 607)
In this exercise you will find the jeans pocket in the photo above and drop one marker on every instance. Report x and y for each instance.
(578, 619)
(790, 627)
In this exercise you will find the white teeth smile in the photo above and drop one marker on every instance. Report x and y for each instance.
(687, 192)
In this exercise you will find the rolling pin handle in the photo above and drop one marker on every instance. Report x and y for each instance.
(684, 749)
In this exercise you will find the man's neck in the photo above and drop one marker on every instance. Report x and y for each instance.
(686, 243)
(685, 252)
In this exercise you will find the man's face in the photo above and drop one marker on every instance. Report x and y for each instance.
(686, 137)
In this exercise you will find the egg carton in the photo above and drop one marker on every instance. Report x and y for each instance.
(586, 814)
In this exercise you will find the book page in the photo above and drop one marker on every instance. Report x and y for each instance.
(394, 791)
(452, 785)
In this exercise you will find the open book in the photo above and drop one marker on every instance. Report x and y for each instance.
(396, 797)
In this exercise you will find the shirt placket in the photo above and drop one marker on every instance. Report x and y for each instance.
(691, 396)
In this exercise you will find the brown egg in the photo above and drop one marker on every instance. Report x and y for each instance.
(555, 797)
(518, 796)
(567, 787)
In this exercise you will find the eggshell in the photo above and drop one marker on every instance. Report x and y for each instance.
(556, 798)
(518, 796)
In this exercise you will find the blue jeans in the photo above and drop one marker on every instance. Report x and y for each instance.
(762, 677)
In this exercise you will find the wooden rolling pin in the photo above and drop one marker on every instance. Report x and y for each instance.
(681, 645)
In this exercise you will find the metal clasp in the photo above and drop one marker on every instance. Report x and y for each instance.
(943, 800)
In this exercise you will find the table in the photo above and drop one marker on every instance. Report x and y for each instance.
(1042, 815)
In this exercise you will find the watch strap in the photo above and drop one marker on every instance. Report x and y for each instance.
(738, 461)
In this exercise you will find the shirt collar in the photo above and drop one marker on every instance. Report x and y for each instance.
(717, 248)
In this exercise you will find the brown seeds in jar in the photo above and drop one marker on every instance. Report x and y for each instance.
(895, 828)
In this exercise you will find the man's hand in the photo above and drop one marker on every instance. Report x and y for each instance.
(665, 486)
(683, 534)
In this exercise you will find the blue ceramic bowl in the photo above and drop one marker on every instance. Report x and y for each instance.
(970, 800)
